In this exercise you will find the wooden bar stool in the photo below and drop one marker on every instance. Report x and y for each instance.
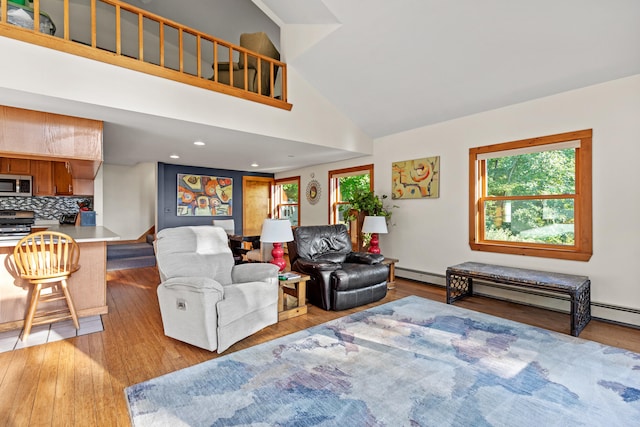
(46, 259)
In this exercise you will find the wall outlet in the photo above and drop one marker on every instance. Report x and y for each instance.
(181, 304)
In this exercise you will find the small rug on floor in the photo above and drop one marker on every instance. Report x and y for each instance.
(410, 362)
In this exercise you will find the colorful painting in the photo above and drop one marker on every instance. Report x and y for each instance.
(200, 195)
(416, 179)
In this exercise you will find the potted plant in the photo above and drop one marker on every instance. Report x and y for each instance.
(366, 202)
(363, 202)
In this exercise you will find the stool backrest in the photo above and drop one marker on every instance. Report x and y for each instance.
(46, 254)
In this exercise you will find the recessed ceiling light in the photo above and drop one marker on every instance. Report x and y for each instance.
(254, 165)
(174, 156)
(198, 143)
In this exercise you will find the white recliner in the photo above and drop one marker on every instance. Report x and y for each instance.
(206, 300)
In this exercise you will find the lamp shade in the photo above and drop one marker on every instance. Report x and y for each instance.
(276, 231)
(374, 224)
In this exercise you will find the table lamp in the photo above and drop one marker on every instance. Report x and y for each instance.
(374, 225)
(277, 231)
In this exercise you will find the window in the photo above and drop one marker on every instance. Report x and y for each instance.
(532, 197)
(342, 184)
(287, 199)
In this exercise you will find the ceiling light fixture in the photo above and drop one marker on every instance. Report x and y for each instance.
(174, 156)
(198, 143)
(254, 164)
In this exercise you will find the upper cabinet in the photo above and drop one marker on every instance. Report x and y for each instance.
(15, 166)
(42, 171)
(58, 179)
(39, 135)
(62, 179)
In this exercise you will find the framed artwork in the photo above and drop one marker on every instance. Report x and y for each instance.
(313, 191)
(416, 179)
(200, 195)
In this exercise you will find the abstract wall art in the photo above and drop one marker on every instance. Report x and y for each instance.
(416, 179)
(200, 195)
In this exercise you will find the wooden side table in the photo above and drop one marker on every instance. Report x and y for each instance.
(297, 288)
(391, 280)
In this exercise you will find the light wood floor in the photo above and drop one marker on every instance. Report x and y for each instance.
(80, 381)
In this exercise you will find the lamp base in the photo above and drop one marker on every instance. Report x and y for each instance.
(373, 244)
(277, 253)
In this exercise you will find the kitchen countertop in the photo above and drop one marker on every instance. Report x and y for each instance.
(79, 233)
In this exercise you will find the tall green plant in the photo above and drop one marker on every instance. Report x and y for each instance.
(365, 201)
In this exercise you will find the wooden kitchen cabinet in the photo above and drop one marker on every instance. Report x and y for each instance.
(13, 166)
(83, 187)
(40, 135)
(50, 135)
(62, 179)
(42, 172)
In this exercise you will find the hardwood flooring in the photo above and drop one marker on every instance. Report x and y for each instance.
(80, 381)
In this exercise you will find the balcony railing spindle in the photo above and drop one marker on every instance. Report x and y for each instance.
(199, 55)
(215, 61)
(3, 11)
(140, 37)
(36, 15)
(118, 31)
(94, 31)
(67, 26)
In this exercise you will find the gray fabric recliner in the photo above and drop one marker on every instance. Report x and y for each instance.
(206, 300)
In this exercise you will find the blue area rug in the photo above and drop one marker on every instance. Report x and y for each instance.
(411, 362)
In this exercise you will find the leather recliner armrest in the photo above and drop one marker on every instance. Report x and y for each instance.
(364, 258)
(309, 266)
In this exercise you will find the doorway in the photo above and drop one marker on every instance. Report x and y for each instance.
(256, 203)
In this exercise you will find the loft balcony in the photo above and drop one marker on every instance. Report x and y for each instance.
(120, 34)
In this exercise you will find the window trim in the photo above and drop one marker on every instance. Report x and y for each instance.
(337, 173)
(290, 180)
(583, 248)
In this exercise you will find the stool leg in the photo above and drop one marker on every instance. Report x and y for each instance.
(72, 308)
(28, 322)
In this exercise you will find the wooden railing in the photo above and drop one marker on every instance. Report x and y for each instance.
(117, 33)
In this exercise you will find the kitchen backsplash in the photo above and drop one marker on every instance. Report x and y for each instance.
(45, 208)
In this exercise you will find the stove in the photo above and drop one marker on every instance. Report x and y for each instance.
(15, 224)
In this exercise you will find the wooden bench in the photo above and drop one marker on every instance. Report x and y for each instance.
(460, 284)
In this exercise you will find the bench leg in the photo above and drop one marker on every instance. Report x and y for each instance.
(458, 287)
(580, 309)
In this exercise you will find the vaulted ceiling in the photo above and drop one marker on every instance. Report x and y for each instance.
(391, 66)
(397, 65)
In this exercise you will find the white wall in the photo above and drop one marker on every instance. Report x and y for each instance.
(78, 84)
(129, 199)
(430, 235)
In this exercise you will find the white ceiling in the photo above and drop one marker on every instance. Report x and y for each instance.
(398, 65)
(391, 66)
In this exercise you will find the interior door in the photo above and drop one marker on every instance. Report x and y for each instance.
(256, 203)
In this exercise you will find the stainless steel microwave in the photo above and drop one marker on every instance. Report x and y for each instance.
(15, 185)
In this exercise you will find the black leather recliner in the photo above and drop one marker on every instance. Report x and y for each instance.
(340, 278)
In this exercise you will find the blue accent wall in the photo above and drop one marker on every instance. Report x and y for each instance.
(168, 190)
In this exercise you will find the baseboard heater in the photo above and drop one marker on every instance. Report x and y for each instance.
(610, 313)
